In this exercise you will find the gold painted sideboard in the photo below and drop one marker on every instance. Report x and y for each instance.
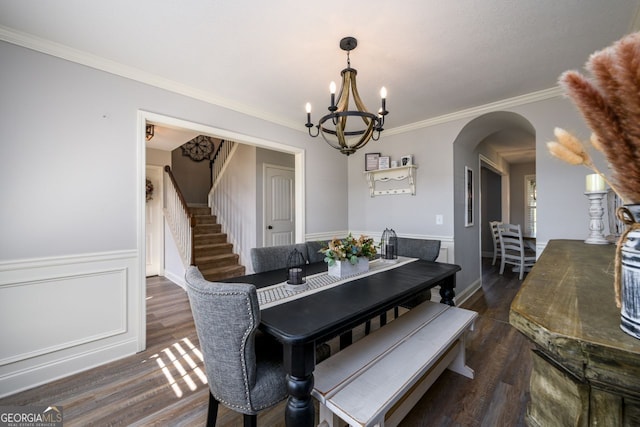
(586, 370)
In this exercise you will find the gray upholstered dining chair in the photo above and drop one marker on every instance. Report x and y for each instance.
(244, 369)
(274, 257)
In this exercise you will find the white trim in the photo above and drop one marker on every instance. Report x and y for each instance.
(74, 55)
(503, 104)
(67, 346)
(241, 138)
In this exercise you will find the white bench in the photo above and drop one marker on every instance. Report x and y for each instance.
(378, 379)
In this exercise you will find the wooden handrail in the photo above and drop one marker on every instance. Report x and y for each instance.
(167, 169)
(192, 219)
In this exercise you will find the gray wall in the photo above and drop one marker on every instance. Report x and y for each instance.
(194, 178)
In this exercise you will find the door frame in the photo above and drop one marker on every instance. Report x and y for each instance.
(146, 116)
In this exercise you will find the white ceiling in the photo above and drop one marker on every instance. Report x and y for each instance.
(268, 59)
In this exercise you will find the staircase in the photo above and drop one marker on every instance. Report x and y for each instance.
(213, 255)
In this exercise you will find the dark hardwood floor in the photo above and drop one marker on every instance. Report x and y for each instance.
(164, 385)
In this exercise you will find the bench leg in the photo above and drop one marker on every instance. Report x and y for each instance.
(459, 363)
(327, 418)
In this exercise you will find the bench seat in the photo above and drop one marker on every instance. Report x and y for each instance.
(378, 379)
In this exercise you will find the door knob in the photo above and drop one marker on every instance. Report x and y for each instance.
(270, 227)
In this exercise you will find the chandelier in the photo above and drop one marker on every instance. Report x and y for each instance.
(333, 126)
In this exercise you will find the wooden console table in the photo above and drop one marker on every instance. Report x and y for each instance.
(586, 370)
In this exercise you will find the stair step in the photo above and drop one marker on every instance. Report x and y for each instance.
(210, 238)
(213, 261)
(221, 273)
(199, 210)
(207, 229)
(205, 219)
(213, 249)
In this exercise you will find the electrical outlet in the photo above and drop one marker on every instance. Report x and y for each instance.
(439, 220)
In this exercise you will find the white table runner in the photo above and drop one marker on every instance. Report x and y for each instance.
(280, 293)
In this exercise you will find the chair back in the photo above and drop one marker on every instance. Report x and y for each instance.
(510, 238)
(495, 235)
(419, 248)
(226, 316)
(274, 257)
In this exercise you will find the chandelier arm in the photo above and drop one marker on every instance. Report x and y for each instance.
(358, 101)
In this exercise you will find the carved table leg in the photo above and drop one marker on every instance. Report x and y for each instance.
(446, 291)
(299, 362)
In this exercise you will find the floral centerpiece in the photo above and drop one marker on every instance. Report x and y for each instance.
(610, 104)
(349, 256)
(349, 249)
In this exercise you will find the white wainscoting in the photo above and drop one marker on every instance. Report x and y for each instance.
(64, 315)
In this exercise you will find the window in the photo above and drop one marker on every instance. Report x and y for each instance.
(530, 196)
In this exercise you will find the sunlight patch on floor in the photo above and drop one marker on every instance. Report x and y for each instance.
(183, 365)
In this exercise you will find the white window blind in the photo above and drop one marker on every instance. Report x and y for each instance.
(530, 195)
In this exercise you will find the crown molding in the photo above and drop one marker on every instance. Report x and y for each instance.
(528, 98)
(81, 57)
(58, 50)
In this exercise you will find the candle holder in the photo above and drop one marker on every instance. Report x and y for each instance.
(389, 245)
(596, 213)
(296, 271)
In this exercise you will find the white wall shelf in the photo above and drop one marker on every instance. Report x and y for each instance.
(401, 173)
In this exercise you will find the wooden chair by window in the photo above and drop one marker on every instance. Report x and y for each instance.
(496, 240)
(245, 373)
(513, 250)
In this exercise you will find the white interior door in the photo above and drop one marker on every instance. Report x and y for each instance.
(279, 205)
(153, 229)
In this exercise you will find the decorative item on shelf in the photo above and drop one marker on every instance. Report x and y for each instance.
(609, 102)
(616, 227)
(371, 161)
(296, 271)
(406, 160)
(384, 162)
(333, 126)
(389, 245)
(149, 190)
(348, 256)
(596, 190)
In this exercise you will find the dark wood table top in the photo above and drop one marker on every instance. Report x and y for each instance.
(331, 312)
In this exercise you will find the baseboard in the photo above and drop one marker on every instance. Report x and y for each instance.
(468, 292)
(32, 376)
(178, 280)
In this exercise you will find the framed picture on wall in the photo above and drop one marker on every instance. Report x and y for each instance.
(468, 200)
(371, 161)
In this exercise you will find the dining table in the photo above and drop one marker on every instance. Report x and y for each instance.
(302, 319)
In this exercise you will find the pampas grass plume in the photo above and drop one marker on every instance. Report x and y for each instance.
(564, 153)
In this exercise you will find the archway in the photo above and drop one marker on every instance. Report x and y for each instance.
(491, 138)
